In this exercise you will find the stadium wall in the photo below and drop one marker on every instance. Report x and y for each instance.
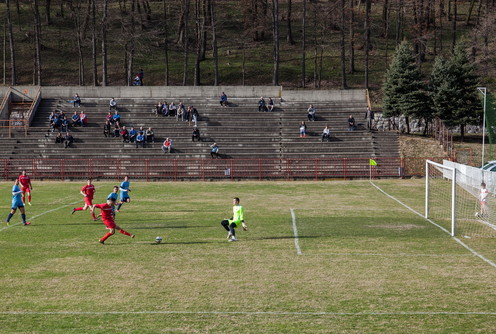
(66, 92)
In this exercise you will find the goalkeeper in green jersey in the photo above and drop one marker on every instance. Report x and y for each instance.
(237, 218)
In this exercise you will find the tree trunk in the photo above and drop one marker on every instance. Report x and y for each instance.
(47, 12)
(214, 43)
(4, 53)
(385, 15)
(367, 41)
(13, 80)
(453, 27)
(275, 29)
(75, 11)
(399, 22)
(166, 45)
(303, 45)
(407, 122)
(289, 27)
(200, 28)
(470, 10)
(343, 46)
(104, 43)
(185, 41)
(352, 36)
(243, 68)
(37, 40)
(93, 42)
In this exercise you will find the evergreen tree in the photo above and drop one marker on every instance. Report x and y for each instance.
(404, 91)
(454, 90)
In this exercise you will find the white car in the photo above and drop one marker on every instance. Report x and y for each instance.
(490, 166)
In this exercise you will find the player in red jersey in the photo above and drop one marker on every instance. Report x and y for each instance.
(108, 219)
(26, 186)
(88, 192)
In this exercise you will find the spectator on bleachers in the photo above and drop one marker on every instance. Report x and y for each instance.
(303, 129)
(68, 140)
(83, 120)
(59, 139)
(124, 134)
(311, 113)
(165, 109)
(57, 123)
(109, 118)
(172, 109)
(196, 134)
(194, 115)
(167, 145)
(51, 118)
(270, 105)
(261, 105)
(351, 123)
(132, 135)
(117, 130)
(326, 134)
(158, 108)
(214, 152)
(370, 116)
(75, 119)
(116, 118)
(150, 135)
(180, 112)
(61, 115)
(65, 125)
(140, 140)
(112, 104)
(106, 129)
(223, 100)
(76, 100)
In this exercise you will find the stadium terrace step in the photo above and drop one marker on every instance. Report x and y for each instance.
(240, 130)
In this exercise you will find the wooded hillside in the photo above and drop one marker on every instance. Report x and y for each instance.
(297, 43)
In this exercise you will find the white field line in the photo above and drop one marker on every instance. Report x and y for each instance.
(39, 215)
(442, 228)
(391, 255)
(270, 313)
(295, 232)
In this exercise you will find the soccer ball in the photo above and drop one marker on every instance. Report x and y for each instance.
(477, 215)
(158, 240)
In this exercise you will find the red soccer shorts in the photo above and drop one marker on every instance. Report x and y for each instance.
(109, 223)
(25, 189)
(88, 200)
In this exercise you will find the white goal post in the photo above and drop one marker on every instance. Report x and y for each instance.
(443, 178)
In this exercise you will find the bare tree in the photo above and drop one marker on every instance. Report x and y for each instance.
(453, 26)
(303, 44)
(367, 41)
(352, 36)
(13, 80)
(76, 18)
(93, 43)
(275, 29)
(166, 44)
(289, 26)
(214, 42)
(37, 41)
(47, 12)
(343, 46)
(104, 43)
(185, 41)
(200, 37)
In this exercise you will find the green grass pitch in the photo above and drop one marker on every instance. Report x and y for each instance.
(367, 264)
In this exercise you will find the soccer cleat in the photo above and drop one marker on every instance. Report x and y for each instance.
(73, 210)
(29, 203)
(102, 242)
(229, 235)
(132, 236)
(26, 223)
(7, 223)
(233, 239)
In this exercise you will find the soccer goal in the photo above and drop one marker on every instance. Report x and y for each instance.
(452, 200)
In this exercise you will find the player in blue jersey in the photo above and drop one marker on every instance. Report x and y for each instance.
(17, 203)
(124, 192)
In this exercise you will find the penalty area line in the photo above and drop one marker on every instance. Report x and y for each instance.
(270, 313)
(295, 232)
(482, 257)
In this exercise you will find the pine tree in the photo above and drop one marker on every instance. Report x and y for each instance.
(404, 91)
(454, 90)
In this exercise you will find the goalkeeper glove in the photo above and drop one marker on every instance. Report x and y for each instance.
(245, 227)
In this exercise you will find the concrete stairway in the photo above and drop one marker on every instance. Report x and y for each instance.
(239, 129)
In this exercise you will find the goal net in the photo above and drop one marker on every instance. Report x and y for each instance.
(453, 201)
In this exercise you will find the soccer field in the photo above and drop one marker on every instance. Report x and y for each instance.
(318, 257)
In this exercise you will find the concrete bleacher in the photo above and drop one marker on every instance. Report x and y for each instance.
(239, 129)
